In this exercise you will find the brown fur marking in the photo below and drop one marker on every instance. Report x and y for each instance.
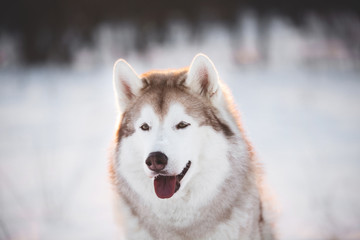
(160, 89)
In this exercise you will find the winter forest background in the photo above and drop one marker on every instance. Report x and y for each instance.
(293, 67)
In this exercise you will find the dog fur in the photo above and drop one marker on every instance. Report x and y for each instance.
(188, 116)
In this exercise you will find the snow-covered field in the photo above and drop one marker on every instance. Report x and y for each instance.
(56, 124)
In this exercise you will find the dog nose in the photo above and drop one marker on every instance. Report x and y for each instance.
(156, 161)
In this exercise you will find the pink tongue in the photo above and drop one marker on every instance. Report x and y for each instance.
(165, 186)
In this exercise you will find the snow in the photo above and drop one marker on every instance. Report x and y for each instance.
(56, 124)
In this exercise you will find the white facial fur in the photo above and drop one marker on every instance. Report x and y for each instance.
(164, 137)
(221, 176)
(201, 145)
(206, 148)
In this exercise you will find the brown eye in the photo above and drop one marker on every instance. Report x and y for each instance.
(145, 127)
(182, 125)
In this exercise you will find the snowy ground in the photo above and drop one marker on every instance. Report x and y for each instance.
(56, 125)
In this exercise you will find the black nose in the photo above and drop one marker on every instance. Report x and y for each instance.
(156, 161)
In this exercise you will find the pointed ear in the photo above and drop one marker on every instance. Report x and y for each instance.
(203, 78)
(127, 83)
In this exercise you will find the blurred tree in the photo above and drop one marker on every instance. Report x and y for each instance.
(44, 26)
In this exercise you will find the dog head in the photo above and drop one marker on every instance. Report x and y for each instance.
(170, 129)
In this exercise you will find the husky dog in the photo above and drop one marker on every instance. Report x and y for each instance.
(181, 164)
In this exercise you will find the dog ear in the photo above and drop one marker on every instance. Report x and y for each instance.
(127, 83)
(203, 77)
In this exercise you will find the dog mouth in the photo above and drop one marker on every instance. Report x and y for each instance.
(165, 186)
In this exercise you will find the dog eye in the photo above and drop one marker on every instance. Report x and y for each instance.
(145, 127)
(182, 125)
